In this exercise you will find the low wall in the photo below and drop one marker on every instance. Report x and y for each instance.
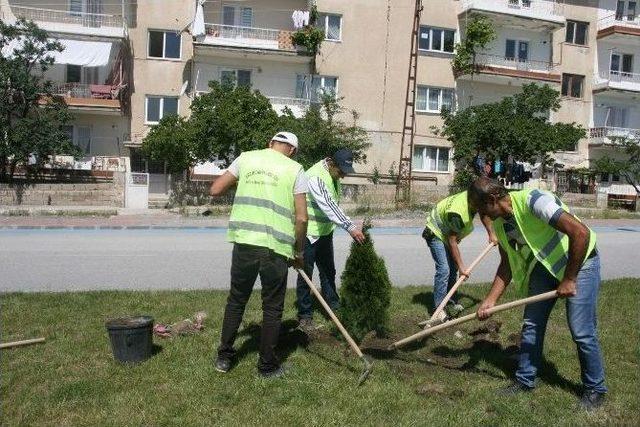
(83, 194)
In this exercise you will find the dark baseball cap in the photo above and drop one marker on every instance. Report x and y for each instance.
(344, 161)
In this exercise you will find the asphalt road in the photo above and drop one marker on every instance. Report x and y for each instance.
(66, 260)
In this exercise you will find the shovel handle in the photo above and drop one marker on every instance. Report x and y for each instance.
(461, 279)
(21, 343)
(343, 331)
(498, 308)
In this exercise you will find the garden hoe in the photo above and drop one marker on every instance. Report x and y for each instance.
(435, 320)
(367, 365)
(530, 300)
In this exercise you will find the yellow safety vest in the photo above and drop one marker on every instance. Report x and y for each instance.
(545, 244)
(319, 224)
(263, 212)
(438, 219)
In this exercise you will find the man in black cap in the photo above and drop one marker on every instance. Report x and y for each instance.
(324, 215)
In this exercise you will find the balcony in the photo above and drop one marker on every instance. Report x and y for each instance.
(249, 39)
(547, 13)
(90, 97)
(298, 106)
(616, 81)
(619, 26)
(498, 65)
(600, 136)
(67, 22)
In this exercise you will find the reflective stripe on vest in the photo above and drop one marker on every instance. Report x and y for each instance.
(437, 219)
(549, 246)
(263, 208)
(319, 224)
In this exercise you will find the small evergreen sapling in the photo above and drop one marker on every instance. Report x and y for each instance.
(366, 290)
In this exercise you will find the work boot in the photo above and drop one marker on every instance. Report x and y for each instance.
(591, 400)
(514, 388)
(222, 364)
(307, 325)
(454, 310)
(276, 373)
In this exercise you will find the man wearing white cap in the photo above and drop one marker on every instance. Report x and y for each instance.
(267, 226)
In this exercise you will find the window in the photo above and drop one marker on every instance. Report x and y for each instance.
(436, 39)
(520, 3)
(164, 44)
(431, 159)
(434, 99)
(572, 85)
(74, 73)
(75, 7)
(240, 77)
(331, 25)
(621, 64)
(523, 50)
(159, 107)
(577, 32)
(237, 16)
(626, 10)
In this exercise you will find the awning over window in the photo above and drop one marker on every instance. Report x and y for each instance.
(76, 52)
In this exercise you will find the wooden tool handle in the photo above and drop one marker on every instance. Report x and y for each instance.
(20, 343)
(498, 308)
(461, 279)
(344, 332)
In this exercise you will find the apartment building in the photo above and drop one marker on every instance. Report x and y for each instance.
(588, 50)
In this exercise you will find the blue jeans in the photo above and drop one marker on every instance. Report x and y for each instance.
(446, 270)
(319, 253)
(581, 316)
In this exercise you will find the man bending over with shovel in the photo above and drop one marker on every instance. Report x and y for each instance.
(450, 221)
(544, 247)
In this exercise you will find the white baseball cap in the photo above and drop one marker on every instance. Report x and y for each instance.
(286, 137)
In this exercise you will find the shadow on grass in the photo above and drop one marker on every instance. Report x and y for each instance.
(505, 359)
(289, 341)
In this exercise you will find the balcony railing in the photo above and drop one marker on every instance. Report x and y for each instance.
(619, 79)
(87, 91)
(93, 20)
(609, 135)
(502, 61)
(632, 21)
(541, 9)
(290, 102)
(250, 37)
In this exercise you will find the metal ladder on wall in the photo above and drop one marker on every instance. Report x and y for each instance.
(403, 185)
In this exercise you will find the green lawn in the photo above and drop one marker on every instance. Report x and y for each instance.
(72, 379)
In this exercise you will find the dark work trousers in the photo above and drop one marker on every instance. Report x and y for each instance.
(319, 253)
(247, 262)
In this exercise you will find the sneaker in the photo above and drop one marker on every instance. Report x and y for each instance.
(591, 400)
(441, 318)
(222, 365)
(307, 325)
(276, 373)
(514, 388)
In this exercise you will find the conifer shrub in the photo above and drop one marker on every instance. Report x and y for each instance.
(365, 293)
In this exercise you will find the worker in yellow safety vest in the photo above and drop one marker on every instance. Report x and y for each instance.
(450, 221)
(267, 227)
(544, 247)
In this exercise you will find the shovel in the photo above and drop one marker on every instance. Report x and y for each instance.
(530, 300)
(367, 365)
(434, 320)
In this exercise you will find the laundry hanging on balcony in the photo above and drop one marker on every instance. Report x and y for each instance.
(300, 18)
(197, 26)
(76, 52)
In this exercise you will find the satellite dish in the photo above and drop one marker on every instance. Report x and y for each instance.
(184, 87)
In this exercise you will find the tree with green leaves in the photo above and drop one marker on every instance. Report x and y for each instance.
(515, 127)
(629, 166)
(365, 292)
(479, 32)
(233, 118)
(32, 118)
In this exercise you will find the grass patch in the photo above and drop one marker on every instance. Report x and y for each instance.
(445, 380)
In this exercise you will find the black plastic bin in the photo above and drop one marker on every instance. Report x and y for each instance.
(131, 338)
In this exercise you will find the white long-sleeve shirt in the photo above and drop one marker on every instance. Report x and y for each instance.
(322, 197)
